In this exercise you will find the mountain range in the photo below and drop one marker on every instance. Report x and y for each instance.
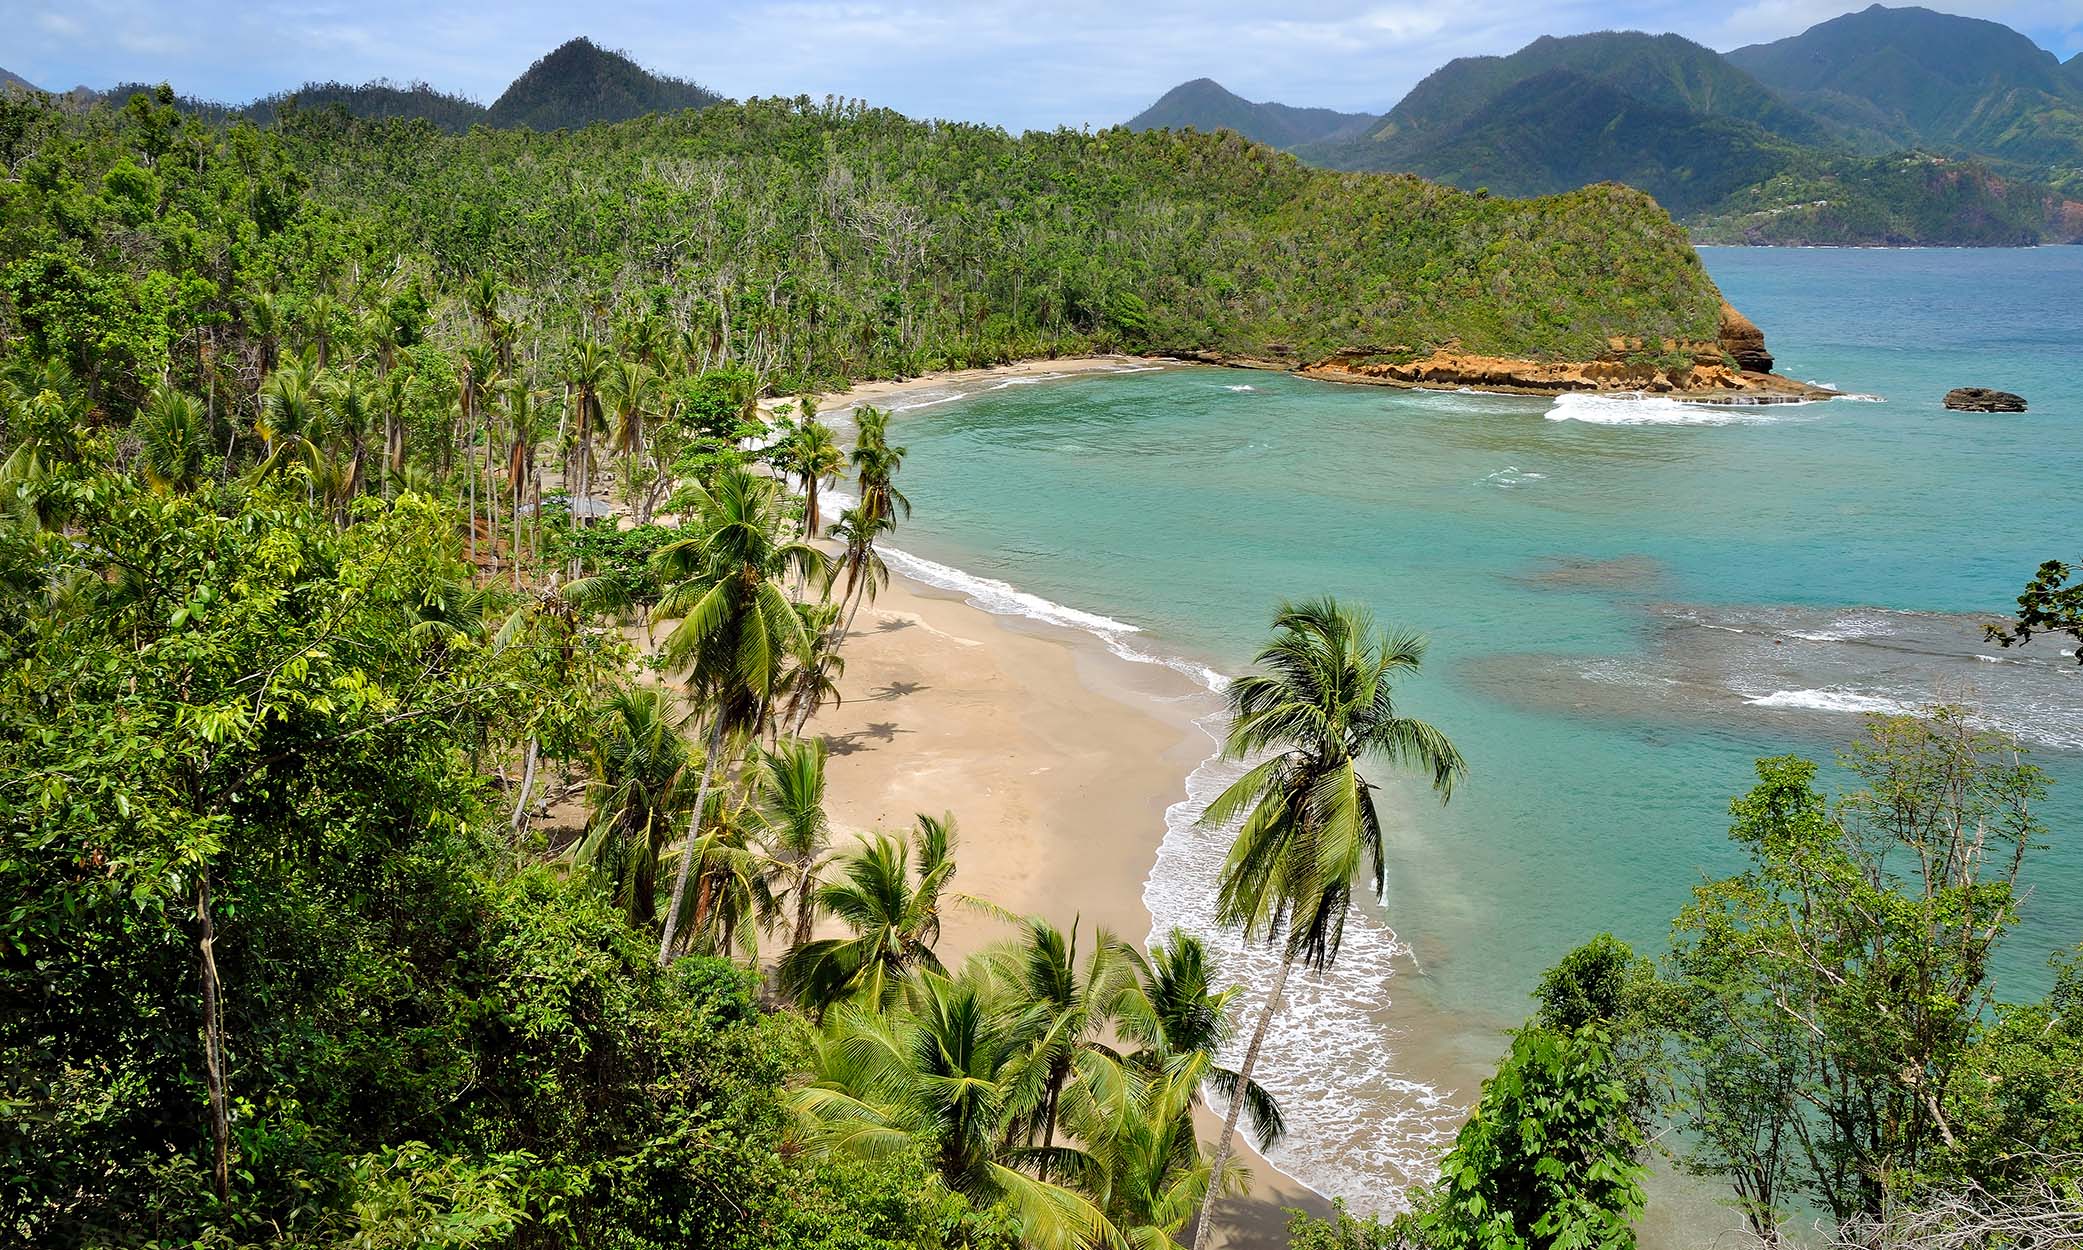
(578, 84)
(1890, 125)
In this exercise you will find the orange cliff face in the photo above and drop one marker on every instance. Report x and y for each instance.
(1734, 368)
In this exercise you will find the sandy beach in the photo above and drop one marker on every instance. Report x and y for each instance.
(1056, 757)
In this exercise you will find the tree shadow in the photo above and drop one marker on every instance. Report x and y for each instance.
(895, 690)
(862, 739)
(891, 624)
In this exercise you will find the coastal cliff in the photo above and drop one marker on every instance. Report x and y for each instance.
(1735, 367)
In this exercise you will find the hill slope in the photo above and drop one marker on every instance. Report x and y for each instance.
(1654, 111)
(1953, 84)
(375, 101)
(13, 81)
(1205, 104)
(581, 83)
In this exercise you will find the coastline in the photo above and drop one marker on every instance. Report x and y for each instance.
(1060, 751)
(1058, 760)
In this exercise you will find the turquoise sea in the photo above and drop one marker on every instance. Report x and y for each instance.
(1628, 602)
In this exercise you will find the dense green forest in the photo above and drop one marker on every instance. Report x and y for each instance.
(302, 627)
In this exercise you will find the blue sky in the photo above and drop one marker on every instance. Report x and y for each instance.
(1014, 64)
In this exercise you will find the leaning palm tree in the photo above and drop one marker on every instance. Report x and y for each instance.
(173, 433)
(736, 628)
(1319, 705)
(945, 1072)
(889, 894)
(638, 759)
(730, 896)
(788, 806)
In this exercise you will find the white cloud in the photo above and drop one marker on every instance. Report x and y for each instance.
(1021, 65)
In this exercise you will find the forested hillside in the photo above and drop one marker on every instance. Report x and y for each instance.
(1205, 104)
(1888, 126)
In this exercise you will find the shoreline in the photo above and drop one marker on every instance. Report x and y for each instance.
(1082, 753)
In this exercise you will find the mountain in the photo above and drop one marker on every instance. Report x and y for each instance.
(1931, 80)
(1657, 112)
(1207, 105)
(577, 85)
(581, 83)
(10, 81)
(1667, 72)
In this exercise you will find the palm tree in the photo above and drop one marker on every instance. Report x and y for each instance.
(947, 1073)
(730, 894)
(1061, 1012)
(875, 465)
(172, 432)
(810, 453)
(813, 681)
(889, 894)
(1172, 1015)
(735, 626)
(638, 760)
(788, 798)
(585, 373)
(350, 416)
(1319, 704)
(1156, 1175)
(292, 421)
(527, 424)
(627, 392)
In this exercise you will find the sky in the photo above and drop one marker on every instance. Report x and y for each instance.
(1019, 65)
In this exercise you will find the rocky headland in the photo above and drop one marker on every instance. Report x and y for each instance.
(1734, 368)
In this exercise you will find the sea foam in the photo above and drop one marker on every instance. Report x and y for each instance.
(1626, 408)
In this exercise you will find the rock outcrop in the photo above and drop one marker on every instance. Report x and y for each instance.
(1697, 373)
(1982, 399)
(1743, 341)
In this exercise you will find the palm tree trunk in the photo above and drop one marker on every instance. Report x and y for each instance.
(520, 817)
(213, 1043)
(694, 828)
(1224, 1143)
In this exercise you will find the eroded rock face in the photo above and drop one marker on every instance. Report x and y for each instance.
(1743, 341)
(1706, 375)
(1982, 399)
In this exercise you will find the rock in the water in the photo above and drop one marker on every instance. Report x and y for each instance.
(1982, 399)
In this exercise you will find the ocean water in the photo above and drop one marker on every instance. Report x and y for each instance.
(1628, 603)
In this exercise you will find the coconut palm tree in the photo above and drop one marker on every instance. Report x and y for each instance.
(350, 417)
(729, 897)
(875, 465)
(889, 893)
(1172, 1014)
(788, 797)
(525, 425)
(810, 453)
(1155, 1174)
(627, 392)
(585, 373)
(1318, 706)
(1061, 1012)
(291, 424)
(172, 434)
(638, 759)
(814, 681)
(735, 626)
(945, 1071)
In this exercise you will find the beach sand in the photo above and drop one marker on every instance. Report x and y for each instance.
(1057, 759)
